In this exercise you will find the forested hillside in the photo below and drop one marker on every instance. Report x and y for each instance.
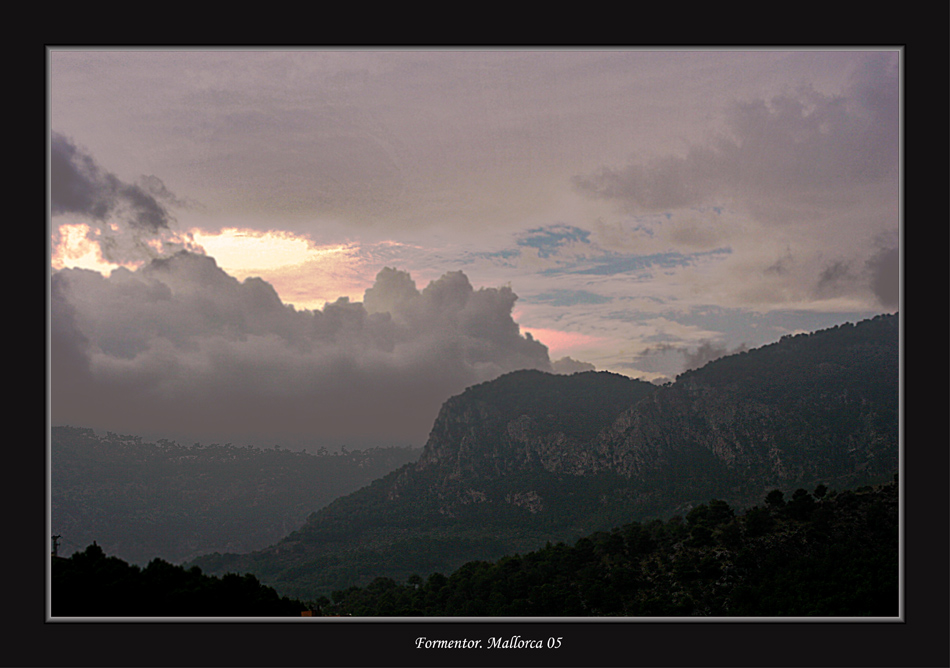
(814, 554)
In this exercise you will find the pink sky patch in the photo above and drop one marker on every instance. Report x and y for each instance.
(563, 343)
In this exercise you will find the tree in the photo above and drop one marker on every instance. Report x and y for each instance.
(700, 536)
(775, 499)
(802, 505)
(719, 513)
(758, 521)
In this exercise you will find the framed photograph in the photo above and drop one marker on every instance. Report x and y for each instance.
(501, 355)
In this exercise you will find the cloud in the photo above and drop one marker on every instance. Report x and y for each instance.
(79, 185)
(561, 297)
(707, 352)
(130, 221)
(553, 239)
(179, 347)
(568, 365)
(885, 276)
(704, 353)
(69, 348)
(790, 197)
(783, 158)
(834, 274)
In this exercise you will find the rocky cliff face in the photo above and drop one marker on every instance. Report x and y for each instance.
(523, 424)
(812, 407)
(476, 440)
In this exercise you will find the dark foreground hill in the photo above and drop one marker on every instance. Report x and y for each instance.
(530, 458)
(91, 584)
(819, 554)
(142, 500)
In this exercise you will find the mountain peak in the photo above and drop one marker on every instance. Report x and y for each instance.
(527, 419)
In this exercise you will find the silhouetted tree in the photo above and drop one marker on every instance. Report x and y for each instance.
(775, 499)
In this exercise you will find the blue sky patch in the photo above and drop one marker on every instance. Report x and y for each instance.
(623, 264)
(568, 298)
(549, 239)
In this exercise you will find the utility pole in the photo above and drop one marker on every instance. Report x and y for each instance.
(56, 545)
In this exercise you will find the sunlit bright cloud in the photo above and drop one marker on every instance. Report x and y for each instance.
(241, 250)
(304, 274)
(76, 245)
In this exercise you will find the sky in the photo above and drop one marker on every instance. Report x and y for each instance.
(306, 247)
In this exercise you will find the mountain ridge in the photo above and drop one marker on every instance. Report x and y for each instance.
(514, 462)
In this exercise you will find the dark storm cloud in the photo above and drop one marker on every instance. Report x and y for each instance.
(129, 222)
(79, 185)
(180, 346)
